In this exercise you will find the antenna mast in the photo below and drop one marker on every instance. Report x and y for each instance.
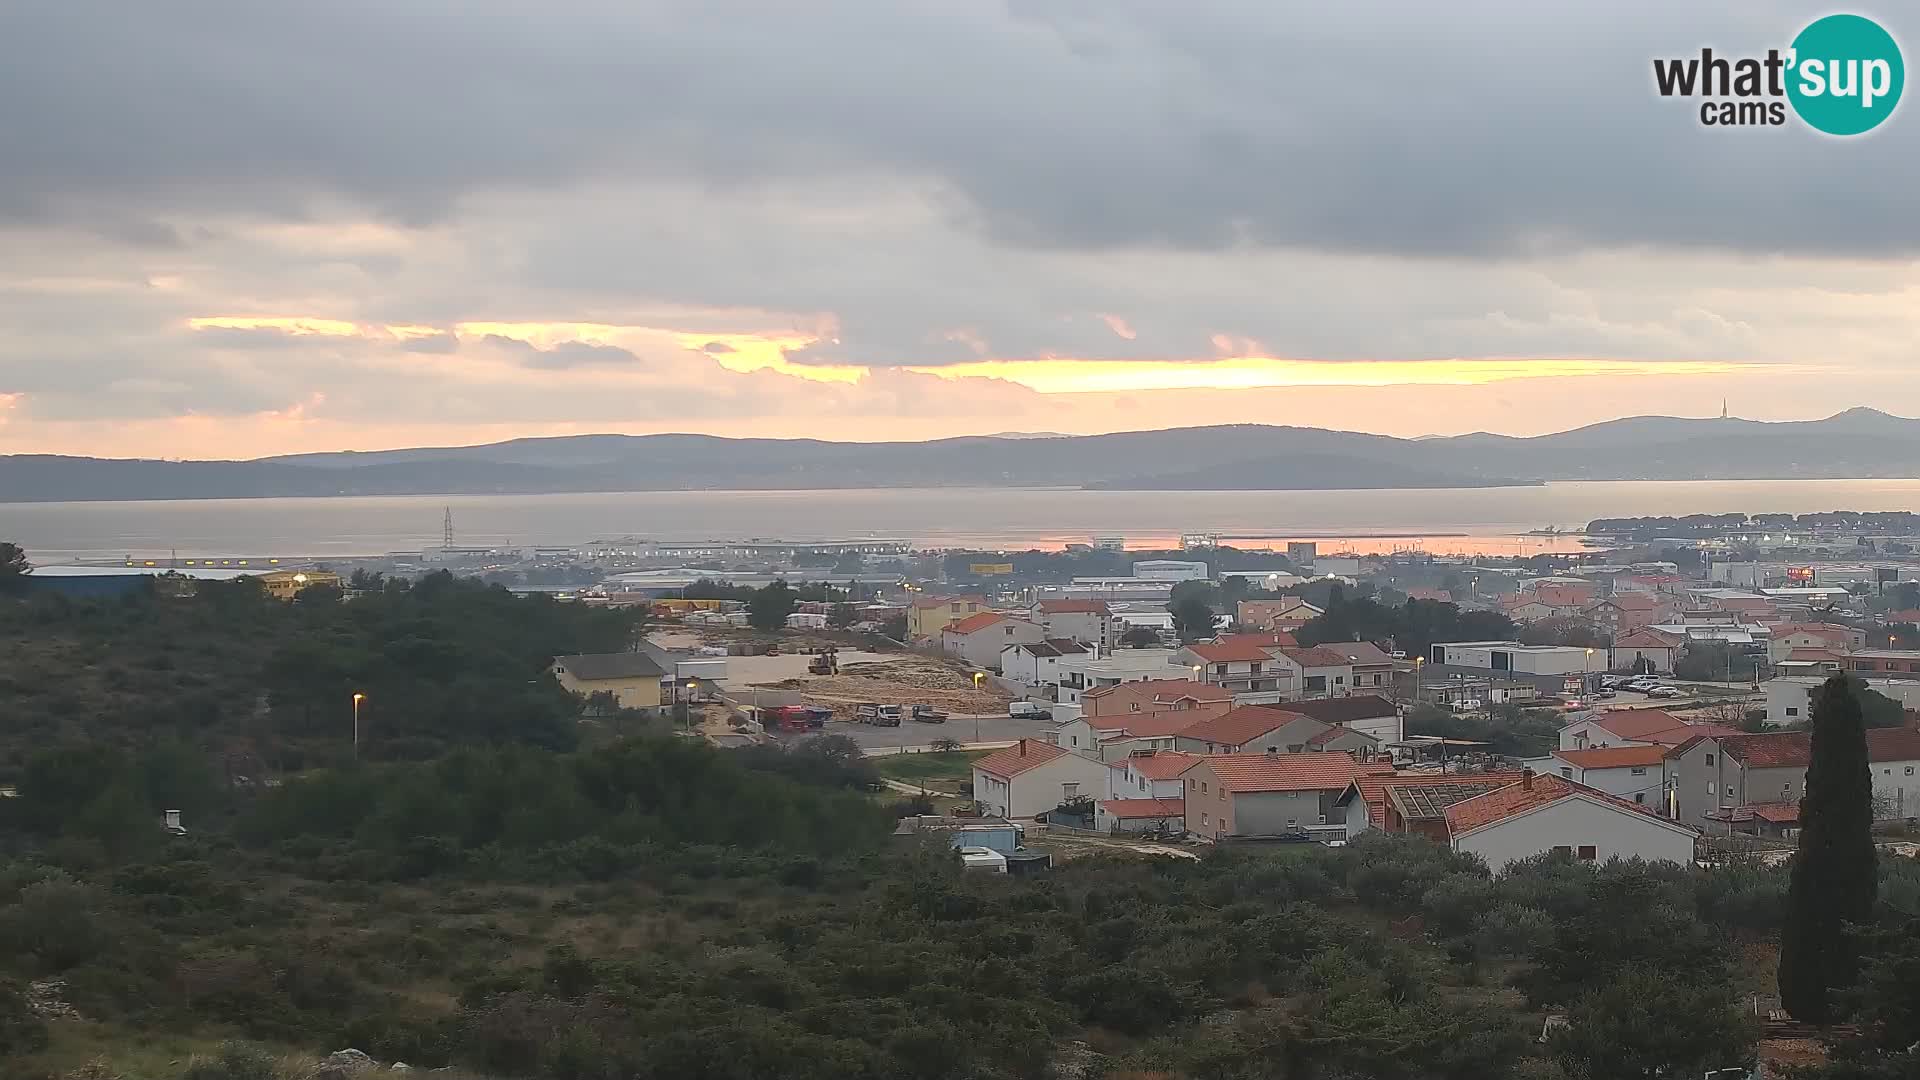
(446, 529)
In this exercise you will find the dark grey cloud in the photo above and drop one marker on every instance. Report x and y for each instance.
(1072, 125)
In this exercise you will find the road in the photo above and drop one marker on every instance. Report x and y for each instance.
(997, 728)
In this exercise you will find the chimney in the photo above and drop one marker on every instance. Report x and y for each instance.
(1526, 779)
(1023, 748)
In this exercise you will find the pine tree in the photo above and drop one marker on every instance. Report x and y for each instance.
(1833, 881)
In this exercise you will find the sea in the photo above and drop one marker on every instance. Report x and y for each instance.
(1492, 521)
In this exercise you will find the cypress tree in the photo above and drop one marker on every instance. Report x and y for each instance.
(1833, 880)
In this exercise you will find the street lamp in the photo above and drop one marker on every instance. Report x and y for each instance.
(357, 699)
(977, 676)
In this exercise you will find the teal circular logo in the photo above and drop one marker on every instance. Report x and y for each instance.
(1846, 75)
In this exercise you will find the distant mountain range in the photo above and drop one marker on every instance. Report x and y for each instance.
(1855, 443)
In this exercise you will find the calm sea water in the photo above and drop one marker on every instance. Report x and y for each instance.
(1484, 520)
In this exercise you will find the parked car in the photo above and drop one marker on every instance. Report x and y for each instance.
(1029, 710)
(1665, 692)
(1642, 686)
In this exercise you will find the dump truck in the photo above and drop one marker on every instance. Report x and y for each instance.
(871, 712)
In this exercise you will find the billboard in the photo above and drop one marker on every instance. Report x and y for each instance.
(1800, 575)
(990, 569)
(1885, 574)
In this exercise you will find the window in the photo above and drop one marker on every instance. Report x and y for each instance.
(1640, 797)
(1638, 770)
(1073, 740)
(1709, 765)
(1191, 784)
(1203, 817)
(1709, 787)
(1069, 790)
(1793, 710)
(1562, 849)
(1203, 788)
(1223, 794)
(1588, 853)
(1293, 823)
(1566, 771)
(1323, 819)
(1339, 680)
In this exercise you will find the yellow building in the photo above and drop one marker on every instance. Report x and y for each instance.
(632, 678)
(286, 584)
(931, 614)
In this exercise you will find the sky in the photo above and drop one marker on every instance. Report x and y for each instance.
(235, 229)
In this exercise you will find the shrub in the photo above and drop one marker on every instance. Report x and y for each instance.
(233, 1061)
(21, 1032)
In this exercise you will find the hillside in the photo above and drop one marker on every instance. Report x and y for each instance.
(1856, 443)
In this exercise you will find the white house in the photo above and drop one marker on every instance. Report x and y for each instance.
(1037, 663)
(1633, 773)
(1148, 774)
(1543, 814)
(1520, 659)
(1790, 697)
(1085, 673)
(1170, 570)
(1243, 666)
(1031, 777)
(1318, 672)
(979, 639)
(1089, 622)
(1893, 756)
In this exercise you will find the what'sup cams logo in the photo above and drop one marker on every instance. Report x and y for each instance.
(1842, 76)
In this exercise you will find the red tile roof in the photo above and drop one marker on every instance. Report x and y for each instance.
(1237, 726)
(1441, 595)
(1905, 615)
(1335, 732)
(1026, 754)
(1514, 799)
(1144, 725)
(1769, 750)
(1780, 813)
(1281, 772)
(1373, 787)
(1361, 653)
(1318, 656)
(1073, 607)
(973, 623)
(1340, 710)
(1614, 757)
(1159, 764)
(1893, 744)
(1232, 650)
(1165, 690)
(1632, 601)
(1656, 726)
(1646, 638)
(1561, 595)
(1134, 809)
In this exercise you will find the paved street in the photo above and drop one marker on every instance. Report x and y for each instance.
(997, 728)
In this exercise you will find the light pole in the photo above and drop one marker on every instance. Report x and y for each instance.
(977, 676)
(357, 699)
(1418, 663)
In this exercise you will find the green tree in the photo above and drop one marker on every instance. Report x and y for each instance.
(13, 568)
(1192, 605)
(1140, 637)
(842, 616)
(1834, 882)
(1643, 1022)
(768, 608)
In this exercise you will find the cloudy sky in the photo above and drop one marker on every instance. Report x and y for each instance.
(235, 229)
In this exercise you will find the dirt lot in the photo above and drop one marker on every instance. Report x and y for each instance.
(906, 679)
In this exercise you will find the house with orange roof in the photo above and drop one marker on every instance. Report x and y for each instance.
(1285, 614)
(1413, 803)
(1241, 664)
(1551, 814)
(928, 615)
(1634, 773)
(1139, 716)
(1140, 815)
(1624, 613)
(1148, 774)
(1032, 777)
(1270, 729)
(1711, 776)
(1253, 795)
(1632, 727)
(1831, 637)
(979, 639)
(1327, 670)
(1645, 647)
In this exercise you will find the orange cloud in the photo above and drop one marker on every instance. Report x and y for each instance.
(1248, 372)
